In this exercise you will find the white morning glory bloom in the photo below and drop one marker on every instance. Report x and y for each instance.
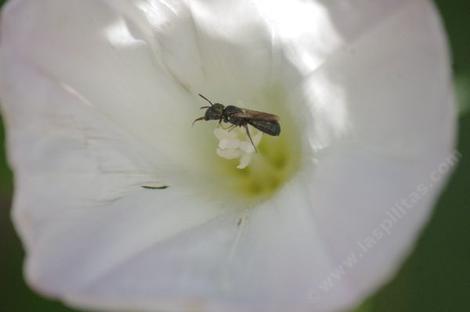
(98, 98)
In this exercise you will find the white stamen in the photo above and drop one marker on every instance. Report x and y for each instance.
(235, 143)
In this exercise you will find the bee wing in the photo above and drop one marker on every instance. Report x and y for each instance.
(267, 126)
(265, 122)
(256, 115)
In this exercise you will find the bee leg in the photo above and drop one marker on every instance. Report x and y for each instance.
(231, 127)
(249, 136)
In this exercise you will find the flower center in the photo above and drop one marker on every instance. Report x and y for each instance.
(258, 174)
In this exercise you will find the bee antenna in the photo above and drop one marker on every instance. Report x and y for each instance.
(206, 99)
(197, 119)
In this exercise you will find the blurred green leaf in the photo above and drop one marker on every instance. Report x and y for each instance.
(462, 87)
(456, 17)
(5, 173)
(366, 306)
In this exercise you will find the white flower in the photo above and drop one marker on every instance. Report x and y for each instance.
(99, 96)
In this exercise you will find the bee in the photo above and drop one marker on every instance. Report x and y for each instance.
(241, 117)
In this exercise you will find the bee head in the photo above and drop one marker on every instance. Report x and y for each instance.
(214, 112)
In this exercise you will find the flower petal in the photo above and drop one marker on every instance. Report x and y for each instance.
(366, 94)
(74, 46)
(208, 53)
(384, 135)
(79, 199)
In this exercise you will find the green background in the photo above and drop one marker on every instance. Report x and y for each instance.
(436, 277)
